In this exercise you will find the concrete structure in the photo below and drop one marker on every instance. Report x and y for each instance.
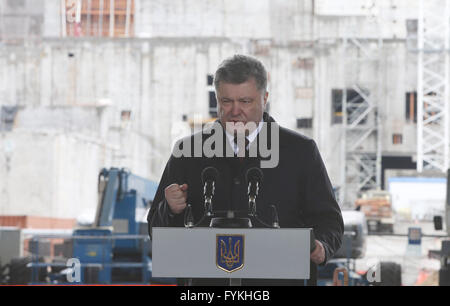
(80, 102)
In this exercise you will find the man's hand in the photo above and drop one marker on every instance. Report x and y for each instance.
(318, 256)
(176, 196)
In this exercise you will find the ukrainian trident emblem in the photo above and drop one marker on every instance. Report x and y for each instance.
(230, 252)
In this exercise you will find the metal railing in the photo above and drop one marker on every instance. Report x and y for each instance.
(40, 263)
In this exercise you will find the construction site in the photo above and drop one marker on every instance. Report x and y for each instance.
(95, 93)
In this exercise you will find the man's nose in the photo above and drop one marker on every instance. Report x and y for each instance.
(236, 108)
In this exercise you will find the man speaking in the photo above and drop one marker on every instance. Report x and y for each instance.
(245, 136)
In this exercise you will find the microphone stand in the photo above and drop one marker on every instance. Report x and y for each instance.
(208, 191)
(253, 189)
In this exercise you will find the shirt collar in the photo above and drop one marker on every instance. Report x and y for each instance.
(250, 137)
(253, 134)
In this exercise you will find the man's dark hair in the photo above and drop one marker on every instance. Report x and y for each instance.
(239, 69)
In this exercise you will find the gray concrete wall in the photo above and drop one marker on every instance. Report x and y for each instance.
(71, 92)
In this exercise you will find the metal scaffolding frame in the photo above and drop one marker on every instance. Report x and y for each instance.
(361, 126)
(70, 7)
(433, 85)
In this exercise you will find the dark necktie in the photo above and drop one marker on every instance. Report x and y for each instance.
(242, 148)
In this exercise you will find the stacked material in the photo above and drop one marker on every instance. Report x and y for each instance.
(375, 207)
(16, 233)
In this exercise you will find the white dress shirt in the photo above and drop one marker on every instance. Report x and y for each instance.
(250, 137)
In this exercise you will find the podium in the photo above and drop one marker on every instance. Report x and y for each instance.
(231, 253)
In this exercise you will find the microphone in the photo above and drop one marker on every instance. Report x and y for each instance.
(209, 177)
(188, 217)
(275, 222)
(254, 178)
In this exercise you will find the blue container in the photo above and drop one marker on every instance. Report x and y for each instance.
(95, 254)
(126, 213)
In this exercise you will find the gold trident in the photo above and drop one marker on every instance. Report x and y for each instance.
(228, 257)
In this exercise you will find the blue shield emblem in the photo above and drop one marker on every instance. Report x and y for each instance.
(230, 252)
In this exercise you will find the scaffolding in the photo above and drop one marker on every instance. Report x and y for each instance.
(361, 124)
(433, 85)
(107, 18)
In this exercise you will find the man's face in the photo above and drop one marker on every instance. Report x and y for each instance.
(240, 103)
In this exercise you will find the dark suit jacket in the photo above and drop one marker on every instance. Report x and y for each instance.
(299, 187)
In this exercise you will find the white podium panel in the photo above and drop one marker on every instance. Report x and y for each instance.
(231, 253)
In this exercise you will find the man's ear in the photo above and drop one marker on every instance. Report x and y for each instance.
(266, 98)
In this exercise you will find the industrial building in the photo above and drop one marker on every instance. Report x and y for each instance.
(93, 84)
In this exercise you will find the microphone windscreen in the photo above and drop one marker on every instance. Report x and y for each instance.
(209, 174)
(254, 174)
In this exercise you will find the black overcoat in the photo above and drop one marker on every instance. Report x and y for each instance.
(298, 186)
